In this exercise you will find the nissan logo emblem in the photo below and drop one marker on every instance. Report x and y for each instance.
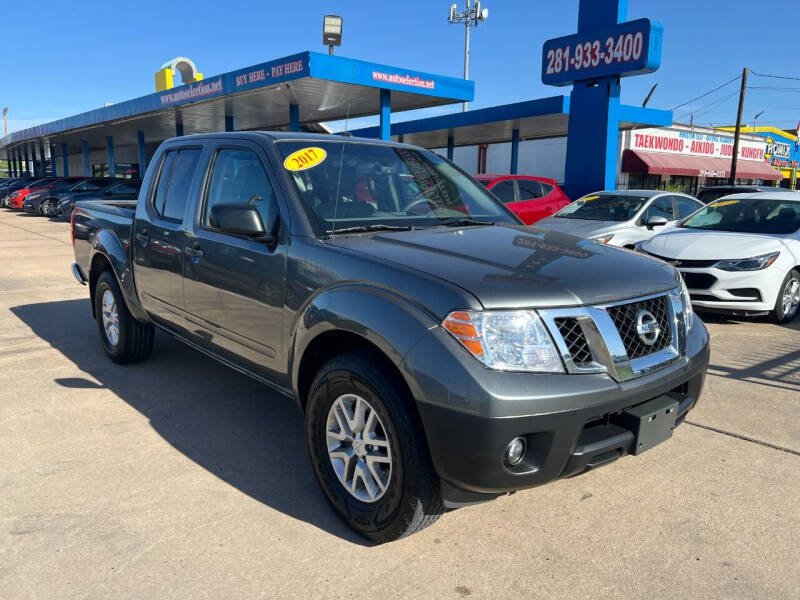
(647, 327)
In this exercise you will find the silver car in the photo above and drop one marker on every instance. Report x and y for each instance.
(621, 218)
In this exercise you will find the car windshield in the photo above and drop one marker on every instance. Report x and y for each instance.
(603, 207)
(747, 215)
(354, 186)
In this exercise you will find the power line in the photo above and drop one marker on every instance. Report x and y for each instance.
(773, 88)
(708, 107)
(775, 76)
(719, 87)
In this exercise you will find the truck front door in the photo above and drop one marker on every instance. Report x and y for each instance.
(159, 236)
(234, 286)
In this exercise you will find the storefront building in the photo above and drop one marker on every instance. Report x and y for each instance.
(685, 158)
(782, 152)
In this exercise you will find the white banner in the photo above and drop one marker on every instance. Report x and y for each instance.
(690, 143)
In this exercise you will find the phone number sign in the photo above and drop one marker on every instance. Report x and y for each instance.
(630, 48)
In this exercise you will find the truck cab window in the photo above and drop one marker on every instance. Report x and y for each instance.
(180, 183)
(238, 176)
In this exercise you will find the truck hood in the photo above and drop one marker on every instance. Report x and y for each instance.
(509, 266)
(694, 244)
(584, 228)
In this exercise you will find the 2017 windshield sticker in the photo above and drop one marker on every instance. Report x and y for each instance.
(588, 198)
(724, 203)
(305, 158)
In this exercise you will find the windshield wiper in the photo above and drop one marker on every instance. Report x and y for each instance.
(368, 228)
(462, 222)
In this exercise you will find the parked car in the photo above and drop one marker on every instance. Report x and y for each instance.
(45, 202)
(17, 197)
(739, 255)
(530, 198)
(442, 352)
(708, 194)
(621, 218)
(115, 189)
(11, 187)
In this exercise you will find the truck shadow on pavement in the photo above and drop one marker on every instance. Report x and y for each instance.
(236, 428)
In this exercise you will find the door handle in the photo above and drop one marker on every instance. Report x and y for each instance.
(194, 251)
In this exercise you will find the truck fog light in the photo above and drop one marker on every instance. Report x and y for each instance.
(515, 451)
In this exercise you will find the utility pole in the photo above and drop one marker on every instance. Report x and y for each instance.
(472, 15)
(738, 132)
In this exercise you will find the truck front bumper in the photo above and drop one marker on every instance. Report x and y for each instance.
(570, 423)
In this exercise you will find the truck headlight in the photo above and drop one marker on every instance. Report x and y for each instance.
(686, 303)
(755, 263)
(515, 340)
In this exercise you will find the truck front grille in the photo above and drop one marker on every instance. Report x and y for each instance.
(578, 347)
(624, 317)
(608, 338)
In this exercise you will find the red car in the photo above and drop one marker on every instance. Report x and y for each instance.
(530, 198)
(17, 198)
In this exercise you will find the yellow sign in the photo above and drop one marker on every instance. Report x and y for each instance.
(304, 159)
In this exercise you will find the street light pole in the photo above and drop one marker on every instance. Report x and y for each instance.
(472, 15)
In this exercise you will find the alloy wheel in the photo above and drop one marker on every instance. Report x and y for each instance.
(110, 318)
(358, 448)
(791, 297)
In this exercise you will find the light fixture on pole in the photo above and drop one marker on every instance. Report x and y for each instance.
(332, 32)
(472, 15)
(5, 123)
(755, 118)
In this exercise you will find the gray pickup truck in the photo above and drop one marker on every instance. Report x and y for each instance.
(442, 352)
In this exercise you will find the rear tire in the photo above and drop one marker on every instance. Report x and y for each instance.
(124, 339)
(406, 495)
(788, 300)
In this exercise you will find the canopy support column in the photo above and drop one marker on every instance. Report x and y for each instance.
(294, 117)
(142, 154)
(85, 148)
(451, 144)
(514, 151)
(229, 125)
(112, 166)
(386, 114)
(65, 159)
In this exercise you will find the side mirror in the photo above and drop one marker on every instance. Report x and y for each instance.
(240, 218)
(656, 221)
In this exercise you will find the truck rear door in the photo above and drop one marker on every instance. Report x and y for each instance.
(159, 236)
(234, 286)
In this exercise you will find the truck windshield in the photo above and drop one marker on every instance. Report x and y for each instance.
(603, 207)
(348, 186)
(747, 216)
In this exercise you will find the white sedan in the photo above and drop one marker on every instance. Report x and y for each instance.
(739, 255)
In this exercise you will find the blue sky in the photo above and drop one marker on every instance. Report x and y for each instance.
(63, 58)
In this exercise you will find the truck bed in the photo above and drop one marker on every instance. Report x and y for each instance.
(94, 216)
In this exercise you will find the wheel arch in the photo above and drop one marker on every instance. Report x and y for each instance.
(108, 253)
(352, 318)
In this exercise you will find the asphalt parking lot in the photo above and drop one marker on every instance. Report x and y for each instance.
(180, 478)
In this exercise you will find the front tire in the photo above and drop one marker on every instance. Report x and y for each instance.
(124, 339)
(369, 451)
(788, 301)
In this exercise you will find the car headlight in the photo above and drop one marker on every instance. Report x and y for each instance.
(514, 340)
(603, 239)
(755, 263)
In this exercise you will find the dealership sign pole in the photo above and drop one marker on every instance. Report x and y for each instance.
(605, 49)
